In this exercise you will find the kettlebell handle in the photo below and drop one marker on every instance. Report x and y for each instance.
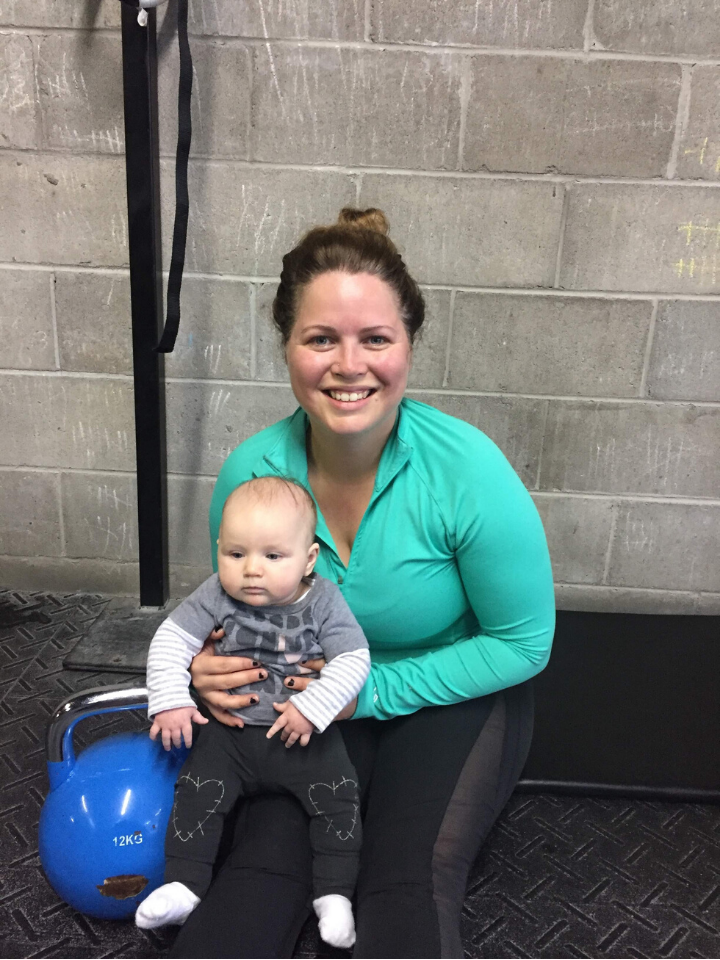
(78, 706)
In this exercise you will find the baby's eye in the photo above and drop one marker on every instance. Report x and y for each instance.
(236, 555)
(273, 556)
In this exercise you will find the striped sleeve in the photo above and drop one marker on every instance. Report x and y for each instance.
(340, 681)
(168, 678)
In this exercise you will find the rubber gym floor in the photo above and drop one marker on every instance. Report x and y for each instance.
(558, 876)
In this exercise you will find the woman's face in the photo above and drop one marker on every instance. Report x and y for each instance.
(349, 354)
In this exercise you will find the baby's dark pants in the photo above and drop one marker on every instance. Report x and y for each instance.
(432, 785)
(228, 763)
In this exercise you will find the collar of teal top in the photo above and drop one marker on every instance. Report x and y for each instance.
(288, 457)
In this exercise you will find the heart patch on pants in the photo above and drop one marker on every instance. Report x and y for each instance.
(342, 817)
(209, 795)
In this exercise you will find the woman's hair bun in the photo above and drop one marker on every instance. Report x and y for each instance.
(370, 219)
(357, 243)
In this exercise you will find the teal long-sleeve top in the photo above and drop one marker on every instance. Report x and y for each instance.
(449, 574)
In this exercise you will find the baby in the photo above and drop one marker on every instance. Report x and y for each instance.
(280, 614)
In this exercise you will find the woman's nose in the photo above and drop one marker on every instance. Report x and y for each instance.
(349, 361)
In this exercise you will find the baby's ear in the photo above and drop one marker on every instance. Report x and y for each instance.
(313, 554)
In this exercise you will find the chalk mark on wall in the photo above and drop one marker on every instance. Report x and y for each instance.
(706, 150)
(701, 261)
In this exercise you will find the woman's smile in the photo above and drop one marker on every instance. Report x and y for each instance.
(349, 399)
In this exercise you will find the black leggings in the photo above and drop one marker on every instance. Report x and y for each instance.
(432, 785)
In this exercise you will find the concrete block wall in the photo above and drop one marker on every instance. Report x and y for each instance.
(550, 171)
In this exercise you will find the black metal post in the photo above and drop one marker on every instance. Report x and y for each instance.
(143, 192)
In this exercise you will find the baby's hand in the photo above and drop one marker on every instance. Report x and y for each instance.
(175, 724)
(293, 724)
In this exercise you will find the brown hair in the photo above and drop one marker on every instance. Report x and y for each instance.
(265, 489)
(357, 243)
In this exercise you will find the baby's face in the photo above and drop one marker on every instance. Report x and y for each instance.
(263, 551)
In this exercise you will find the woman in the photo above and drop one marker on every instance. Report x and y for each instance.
(441, 556)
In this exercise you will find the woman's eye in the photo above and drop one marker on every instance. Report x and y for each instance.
(317, 340)
(378, 340)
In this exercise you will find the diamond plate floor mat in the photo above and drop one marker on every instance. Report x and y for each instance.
(558, 877)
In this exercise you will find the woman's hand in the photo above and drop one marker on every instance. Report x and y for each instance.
(213, 676)
(297, 684)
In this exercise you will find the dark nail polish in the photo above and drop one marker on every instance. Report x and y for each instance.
(256, 663)
(263, 676)
(291, 682)
(304, 661)
(253, 699)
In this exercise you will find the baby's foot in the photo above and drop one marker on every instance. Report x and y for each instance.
(171, 903)
(337, 926)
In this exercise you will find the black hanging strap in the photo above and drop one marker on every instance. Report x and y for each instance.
(182, 200)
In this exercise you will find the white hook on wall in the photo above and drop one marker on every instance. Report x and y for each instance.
(144, 6)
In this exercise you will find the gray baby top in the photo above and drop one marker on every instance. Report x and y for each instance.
(319, 624)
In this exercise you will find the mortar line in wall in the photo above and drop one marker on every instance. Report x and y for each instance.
(465, 90)
(660, 591)
(27, 30)
(422, 391)
(50, 469)
(561, 237)
(588, 28)
(542, 444)
(577, 398)
(53, 315)
(349, 170)
(611, 540)
(642, 390)
(681, 120)
(448, 344)
(69, 374)
(621, 498)
(389, 46)
(41, 124)
(49, 152)
(440, 49)
(253, 331)
(61, 517)
(512, 291)
(128, 378)
(89, 471)
(80, 559)
(249, 129)
(565, 292)
(367, 32)
(204, 381)
(64, 268)
(358, 180)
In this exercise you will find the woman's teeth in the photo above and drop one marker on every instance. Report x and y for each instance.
(349, 397)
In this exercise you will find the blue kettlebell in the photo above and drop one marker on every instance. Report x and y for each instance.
(102, 826)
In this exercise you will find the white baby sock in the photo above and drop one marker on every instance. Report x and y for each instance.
(337, 926)
(171, 903)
